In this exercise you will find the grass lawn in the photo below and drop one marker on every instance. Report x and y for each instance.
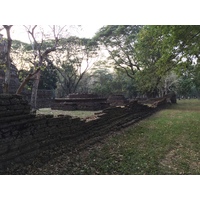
(165, 143)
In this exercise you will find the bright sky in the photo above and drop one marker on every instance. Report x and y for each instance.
(18, 32)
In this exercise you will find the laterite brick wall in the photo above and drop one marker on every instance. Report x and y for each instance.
(24, 136)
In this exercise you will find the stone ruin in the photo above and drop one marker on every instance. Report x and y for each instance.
(72, 102)
(44, 96)
(117, 100)
(80, 102)
(27, 138)
(14, 80)
(94, 102)
(88, 102)
(169, 98)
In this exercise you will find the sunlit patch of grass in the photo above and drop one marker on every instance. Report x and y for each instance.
(75, 113)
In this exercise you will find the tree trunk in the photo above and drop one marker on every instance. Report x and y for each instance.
(37, 47)
(35, 90)
(7, 79)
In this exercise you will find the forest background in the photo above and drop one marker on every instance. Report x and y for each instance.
(133, 60)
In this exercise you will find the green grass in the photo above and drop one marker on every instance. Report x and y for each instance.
(165, 143)
(76, 113)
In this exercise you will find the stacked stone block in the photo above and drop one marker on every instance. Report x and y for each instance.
(25, 136)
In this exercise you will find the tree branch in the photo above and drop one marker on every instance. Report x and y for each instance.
(25, 81)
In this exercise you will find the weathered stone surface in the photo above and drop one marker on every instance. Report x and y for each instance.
(23, 136)
(2, 108)
(4, 102)
(117, 100)
(80, 102)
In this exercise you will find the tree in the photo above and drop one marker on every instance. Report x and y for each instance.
(101, 79)
(119, 41)
(149, 54)
(161, 49)
(196, 80)
(105, 81)
(49, 76)
(23, 73)
(185, 87)
(40, 54)
(189, 82)
(122, 84)
(155, 56)
(84, 86)
(73, 59)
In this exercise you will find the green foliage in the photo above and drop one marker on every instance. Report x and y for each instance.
(161, 49)
(189, 85)
(2, 67)
(73, 61)
(154, 55)
(185, 86)
(68, 76)
(119, 41)
(23, 73)
(147, 83)
(46, 44)
(147, 54)
(102, 79)
(123, 84)
(106, 83)
(16, 44)
(49, 77)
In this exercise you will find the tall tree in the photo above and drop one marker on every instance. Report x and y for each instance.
(101, 80)
(106, 82)
(119, 41)
(40, 54)
(161, 49)
(73, 59)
